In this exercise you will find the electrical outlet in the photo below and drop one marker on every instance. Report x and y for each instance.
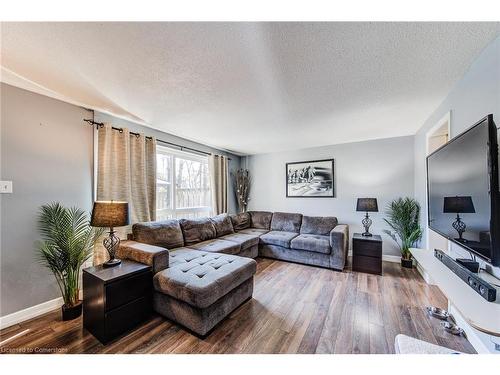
(5, 187)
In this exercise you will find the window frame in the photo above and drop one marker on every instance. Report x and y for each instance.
(174, 211)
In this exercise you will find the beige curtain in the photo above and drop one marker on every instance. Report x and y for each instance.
(218, 167)
(127, 171)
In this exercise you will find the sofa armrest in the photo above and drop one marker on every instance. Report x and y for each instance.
(339, 241)
(154, 256)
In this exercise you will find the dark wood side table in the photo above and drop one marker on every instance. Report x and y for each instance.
(367, 253)
(116, 299)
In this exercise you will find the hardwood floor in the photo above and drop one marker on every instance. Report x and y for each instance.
(295, 309)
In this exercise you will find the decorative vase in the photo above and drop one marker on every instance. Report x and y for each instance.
(71, 312)
(406, 263)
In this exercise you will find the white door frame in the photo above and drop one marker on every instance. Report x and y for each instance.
(445, 118)
(428, 134)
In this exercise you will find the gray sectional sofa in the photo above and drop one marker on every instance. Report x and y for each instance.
(203, 268)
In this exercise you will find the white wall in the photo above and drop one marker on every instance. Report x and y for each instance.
(380, 168)
(473, 97)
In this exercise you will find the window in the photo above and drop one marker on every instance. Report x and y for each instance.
(182, 185)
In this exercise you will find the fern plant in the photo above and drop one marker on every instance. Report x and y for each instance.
(403, 215)
(67, 242)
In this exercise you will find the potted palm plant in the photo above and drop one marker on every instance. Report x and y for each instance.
(67, 242)
(403, 215)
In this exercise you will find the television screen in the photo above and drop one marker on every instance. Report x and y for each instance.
(459, 198)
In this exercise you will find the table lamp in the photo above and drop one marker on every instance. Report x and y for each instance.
(367, 205)
(110, 214)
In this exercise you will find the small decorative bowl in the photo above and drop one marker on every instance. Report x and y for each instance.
(452, 328)
(438, 312)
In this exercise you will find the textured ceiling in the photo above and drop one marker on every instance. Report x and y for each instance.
(250, 87)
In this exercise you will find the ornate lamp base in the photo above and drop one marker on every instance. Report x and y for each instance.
(460, 227)
(112, 263)
(367, 223)
(111, 244)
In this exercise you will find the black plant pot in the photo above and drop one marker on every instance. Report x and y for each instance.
(407, 263)
(71, 312)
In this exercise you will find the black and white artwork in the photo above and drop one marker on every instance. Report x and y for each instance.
(310, 179)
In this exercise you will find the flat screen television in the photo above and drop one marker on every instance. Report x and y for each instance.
(463, 192)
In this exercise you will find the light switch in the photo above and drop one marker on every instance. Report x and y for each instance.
(5, 187)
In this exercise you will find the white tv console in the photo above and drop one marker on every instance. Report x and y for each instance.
(479, 318)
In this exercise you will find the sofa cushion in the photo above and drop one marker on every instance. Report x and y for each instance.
(286, 222)
(253, 231)
(279, 238)
(217, 246)
(260, 219)
(240, 221)
(200, 278)
(197, 230)
(167, 234)
(312, 242)
(223, 224)
(244, 240)
(321, 225)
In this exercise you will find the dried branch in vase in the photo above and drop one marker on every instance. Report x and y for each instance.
(241, 183)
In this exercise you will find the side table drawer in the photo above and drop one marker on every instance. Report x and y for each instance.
(367, 248)
(126, 317)
(367, 264)
(122, 291)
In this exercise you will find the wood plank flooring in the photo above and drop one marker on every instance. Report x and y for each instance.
(295, 309)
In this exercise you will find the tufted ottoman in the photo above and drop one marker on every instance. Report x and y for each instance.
(199, 289)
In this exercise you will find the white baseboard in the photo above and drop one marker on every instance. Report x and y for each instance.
(391, 258)
(30, 312)
(385, 257)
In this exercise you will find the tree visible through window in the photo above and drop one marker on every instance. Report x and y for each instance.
(182, 185)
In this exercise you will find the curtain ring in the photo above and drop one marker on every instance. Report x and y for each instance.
(121, 130)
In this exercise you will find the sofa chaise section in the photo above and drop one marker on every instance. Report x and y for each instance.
(194, 288)
(200, 289)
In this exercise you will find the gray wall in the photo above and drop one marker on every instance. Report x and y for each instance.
(473, 97)
(234, 163)
(380, 168)
(47, 153)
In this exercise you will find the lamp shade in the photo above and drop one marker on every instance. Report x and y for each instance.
(367, 205)
(109, 214)
(458, 205)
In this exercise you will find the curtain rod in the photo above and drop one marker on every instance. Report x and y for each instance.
(100, 124)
